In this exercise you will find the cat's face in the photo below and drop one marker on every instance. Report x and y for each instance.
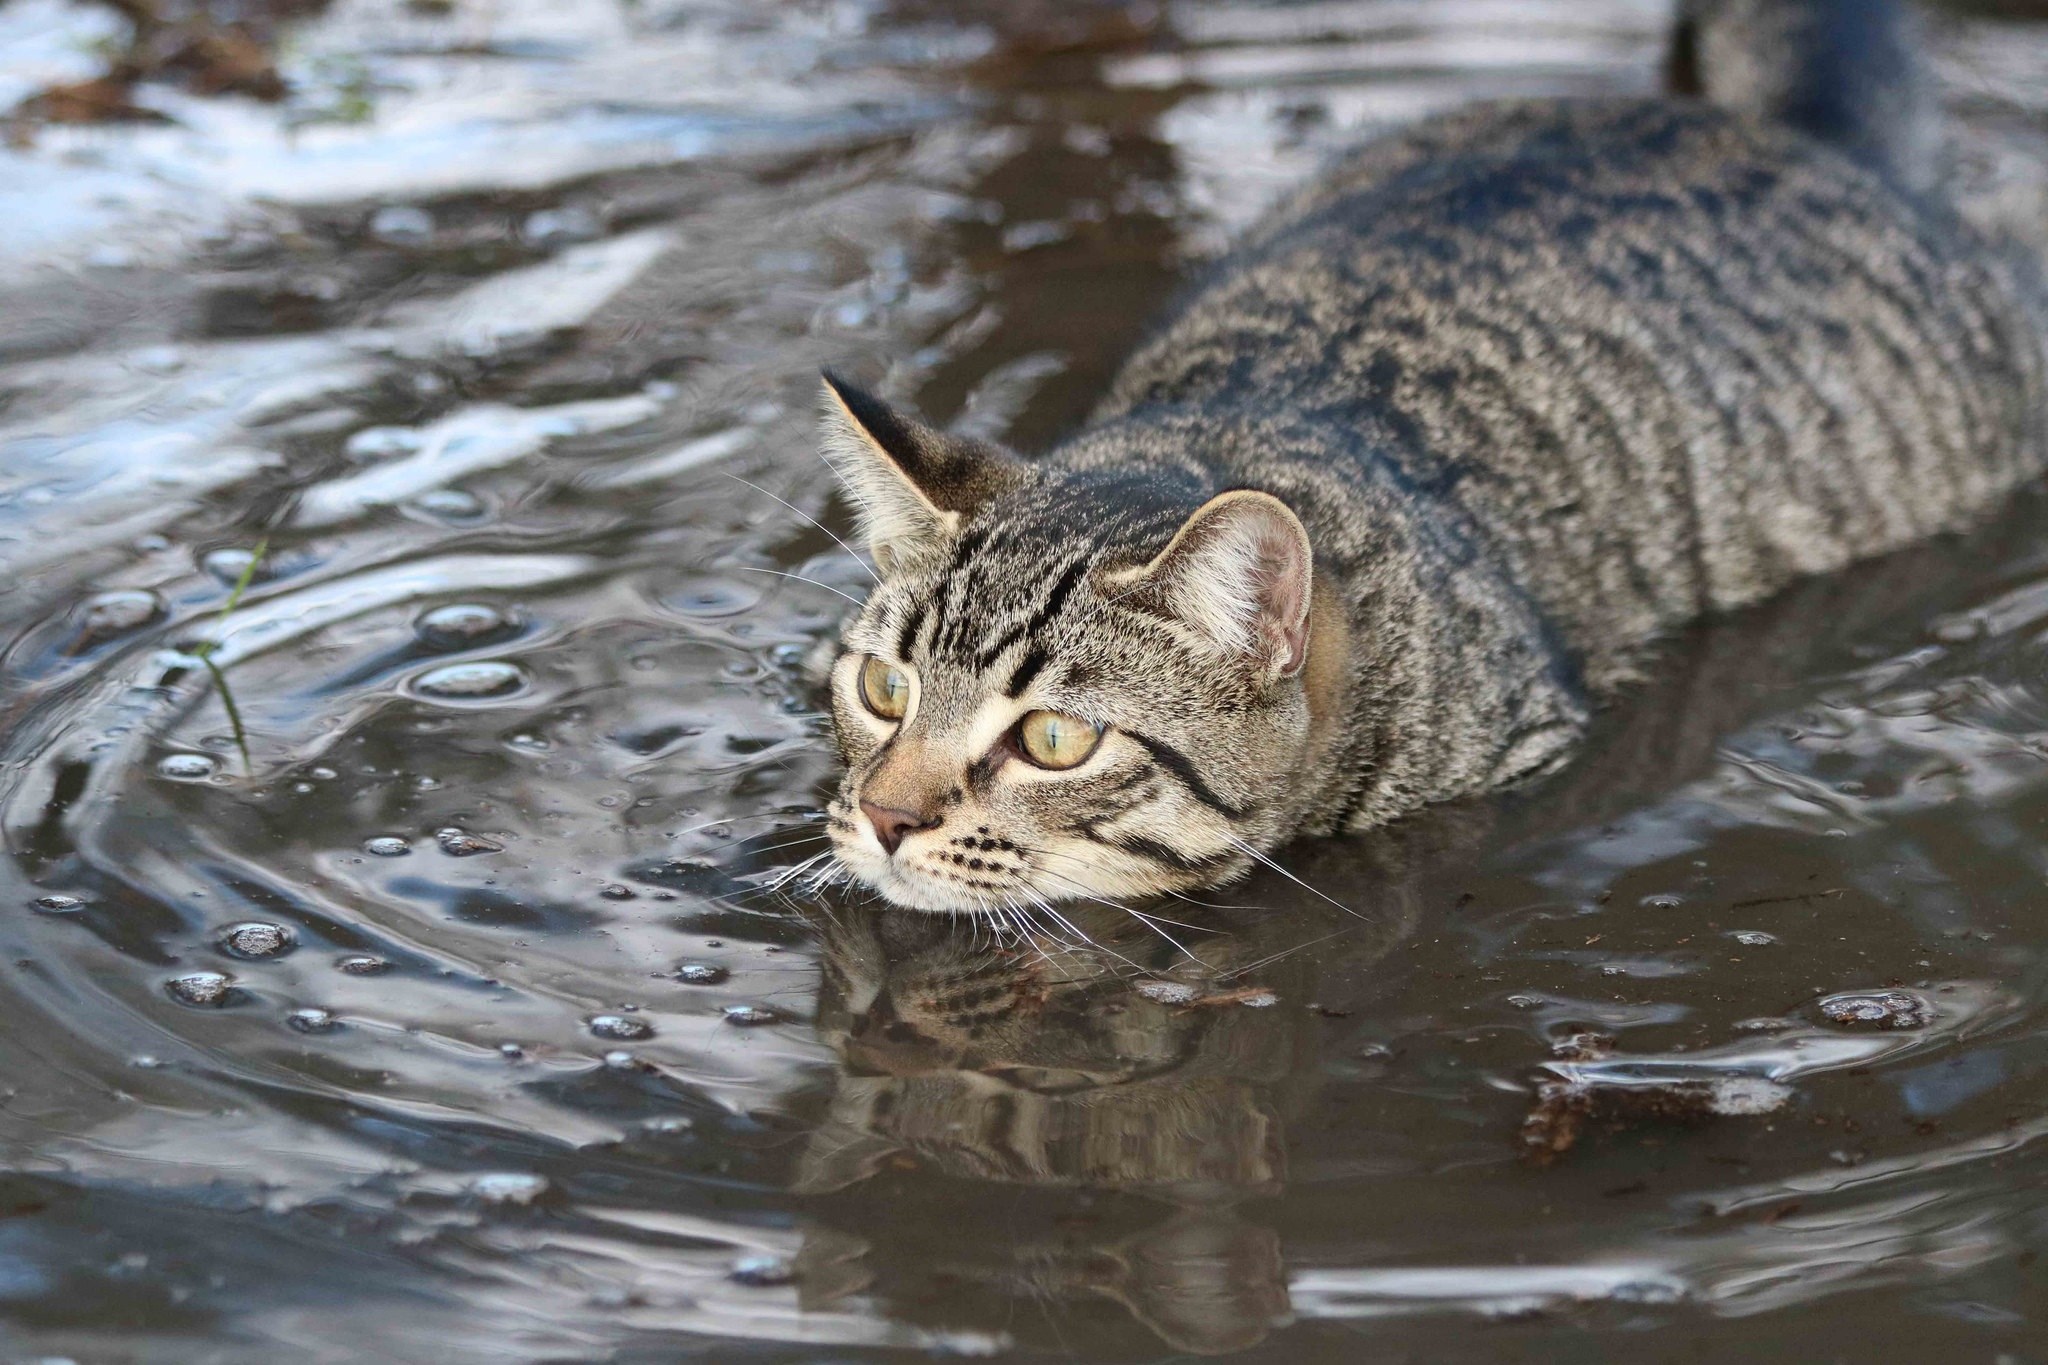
(1064, 686)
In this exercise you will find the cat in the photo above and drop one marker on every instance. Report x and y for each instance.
(1424, 468)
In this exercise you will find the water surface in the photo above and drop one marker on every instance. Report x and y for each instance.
(432, 1003)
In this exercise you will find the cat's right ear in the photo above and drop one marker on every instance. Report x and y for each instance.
(911, 484)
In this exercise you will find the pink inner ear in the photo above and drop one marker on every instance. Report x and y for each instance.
(1282, 584)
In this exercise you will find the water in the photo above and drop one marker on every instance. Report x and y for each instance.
(433, 1001)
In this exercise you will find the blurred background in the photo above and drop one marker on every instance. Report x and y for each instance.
(407, 566)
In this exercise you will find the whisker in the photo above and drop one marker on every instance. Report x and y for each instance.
(748, 568)
(1271, 958)
(1147, 920)
(813, 521)
(1292, 878)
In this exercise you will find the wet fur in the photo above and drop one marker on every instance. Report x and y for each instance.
(1540, 380)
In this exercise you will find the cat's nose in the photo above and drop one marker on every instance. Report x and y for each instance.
(892, 823)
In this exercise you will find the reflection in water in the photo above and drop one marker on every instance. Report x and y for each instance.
(463, 1013)
(1111, 1062)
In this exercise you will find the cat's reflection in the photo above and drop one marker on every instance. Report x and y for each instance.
(1130, 1063)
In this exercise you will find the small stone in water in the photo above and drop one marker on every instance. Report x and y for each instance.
(460, 625)
(57, 904)
(312, 1021)
(620, 1028)
(111, 613)
(762, 1272)
(257, 939)
(471, 681)
(387, 846)
(700, 973)
(750, 1016)
(200, 988)
(187, 767)
(402, 225)
(1877, 1009)
(362, 964)
(459, 843)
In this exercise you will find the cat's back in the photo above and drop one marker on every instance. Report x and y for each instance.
(1662, 357)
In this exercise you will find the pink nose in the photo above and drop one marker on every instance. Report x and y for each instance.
(891, 823)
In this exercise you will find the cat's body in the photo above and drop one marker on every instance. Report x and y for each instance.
(1538, 381)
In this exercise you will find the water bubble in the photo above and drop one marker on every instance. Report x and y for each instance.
(460, 843)
(616, 892)
(750, 1016)
(228, 565)
(620, 1028)
(372, 444)
(471, 681)
(1166, 992)
(1752, 938)
(187, 767)
(362, 964)
(1662, 901)
(621, 1060)
(402, 225)
(461, 625)
(209, 989)
(256, 939)
(557, 227)
(710, 597)
(448, 504)
(1877, 1009)
(509, 1187)
(761, 1272)
(58, 904)
(700, 973)
(113, 613)
(312, 1020)
(387, 846)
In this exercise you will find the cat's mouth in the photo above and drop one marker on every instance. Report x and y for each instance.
(975, 872)
(941, 879)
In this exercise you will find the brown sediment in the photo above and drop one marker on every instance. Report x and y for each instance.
(207, 48)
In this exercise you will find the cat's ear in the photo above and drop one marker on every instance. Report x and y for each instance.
(1239, 571)
(911, 484)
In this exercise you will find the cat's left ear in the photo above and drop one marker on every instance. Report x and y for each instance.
(1239, 571)
(912, 485)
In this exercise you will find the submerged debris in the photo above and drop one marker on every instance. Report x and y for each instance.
(1590, 1085)
(1193, 997)
(460, 843)
(1892, 1009)
(1564, 1108)
(208, 48)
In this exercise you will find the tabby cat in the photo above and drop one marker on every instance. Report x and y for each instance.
(1410, 483)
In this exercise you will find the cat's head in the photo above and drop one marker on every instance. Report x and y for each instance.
(1069, 683)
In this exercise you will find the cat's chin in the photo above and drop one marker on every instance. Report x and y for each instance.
(908, 889)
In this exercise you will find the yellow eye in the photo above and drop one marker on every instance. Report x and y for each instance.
(1052, 740)
(885, 688)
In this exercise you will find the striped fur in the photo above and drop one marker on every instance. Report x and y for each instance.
(1541, 381)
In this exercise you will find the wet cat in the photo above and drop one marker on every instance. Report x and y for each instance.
(1394, 498)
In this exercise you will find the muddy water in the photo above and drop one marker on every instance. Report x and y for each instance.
(391, 969)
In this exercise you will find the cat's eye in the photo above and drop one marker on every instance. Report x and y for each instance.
(1052, 740)
(885, 688)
